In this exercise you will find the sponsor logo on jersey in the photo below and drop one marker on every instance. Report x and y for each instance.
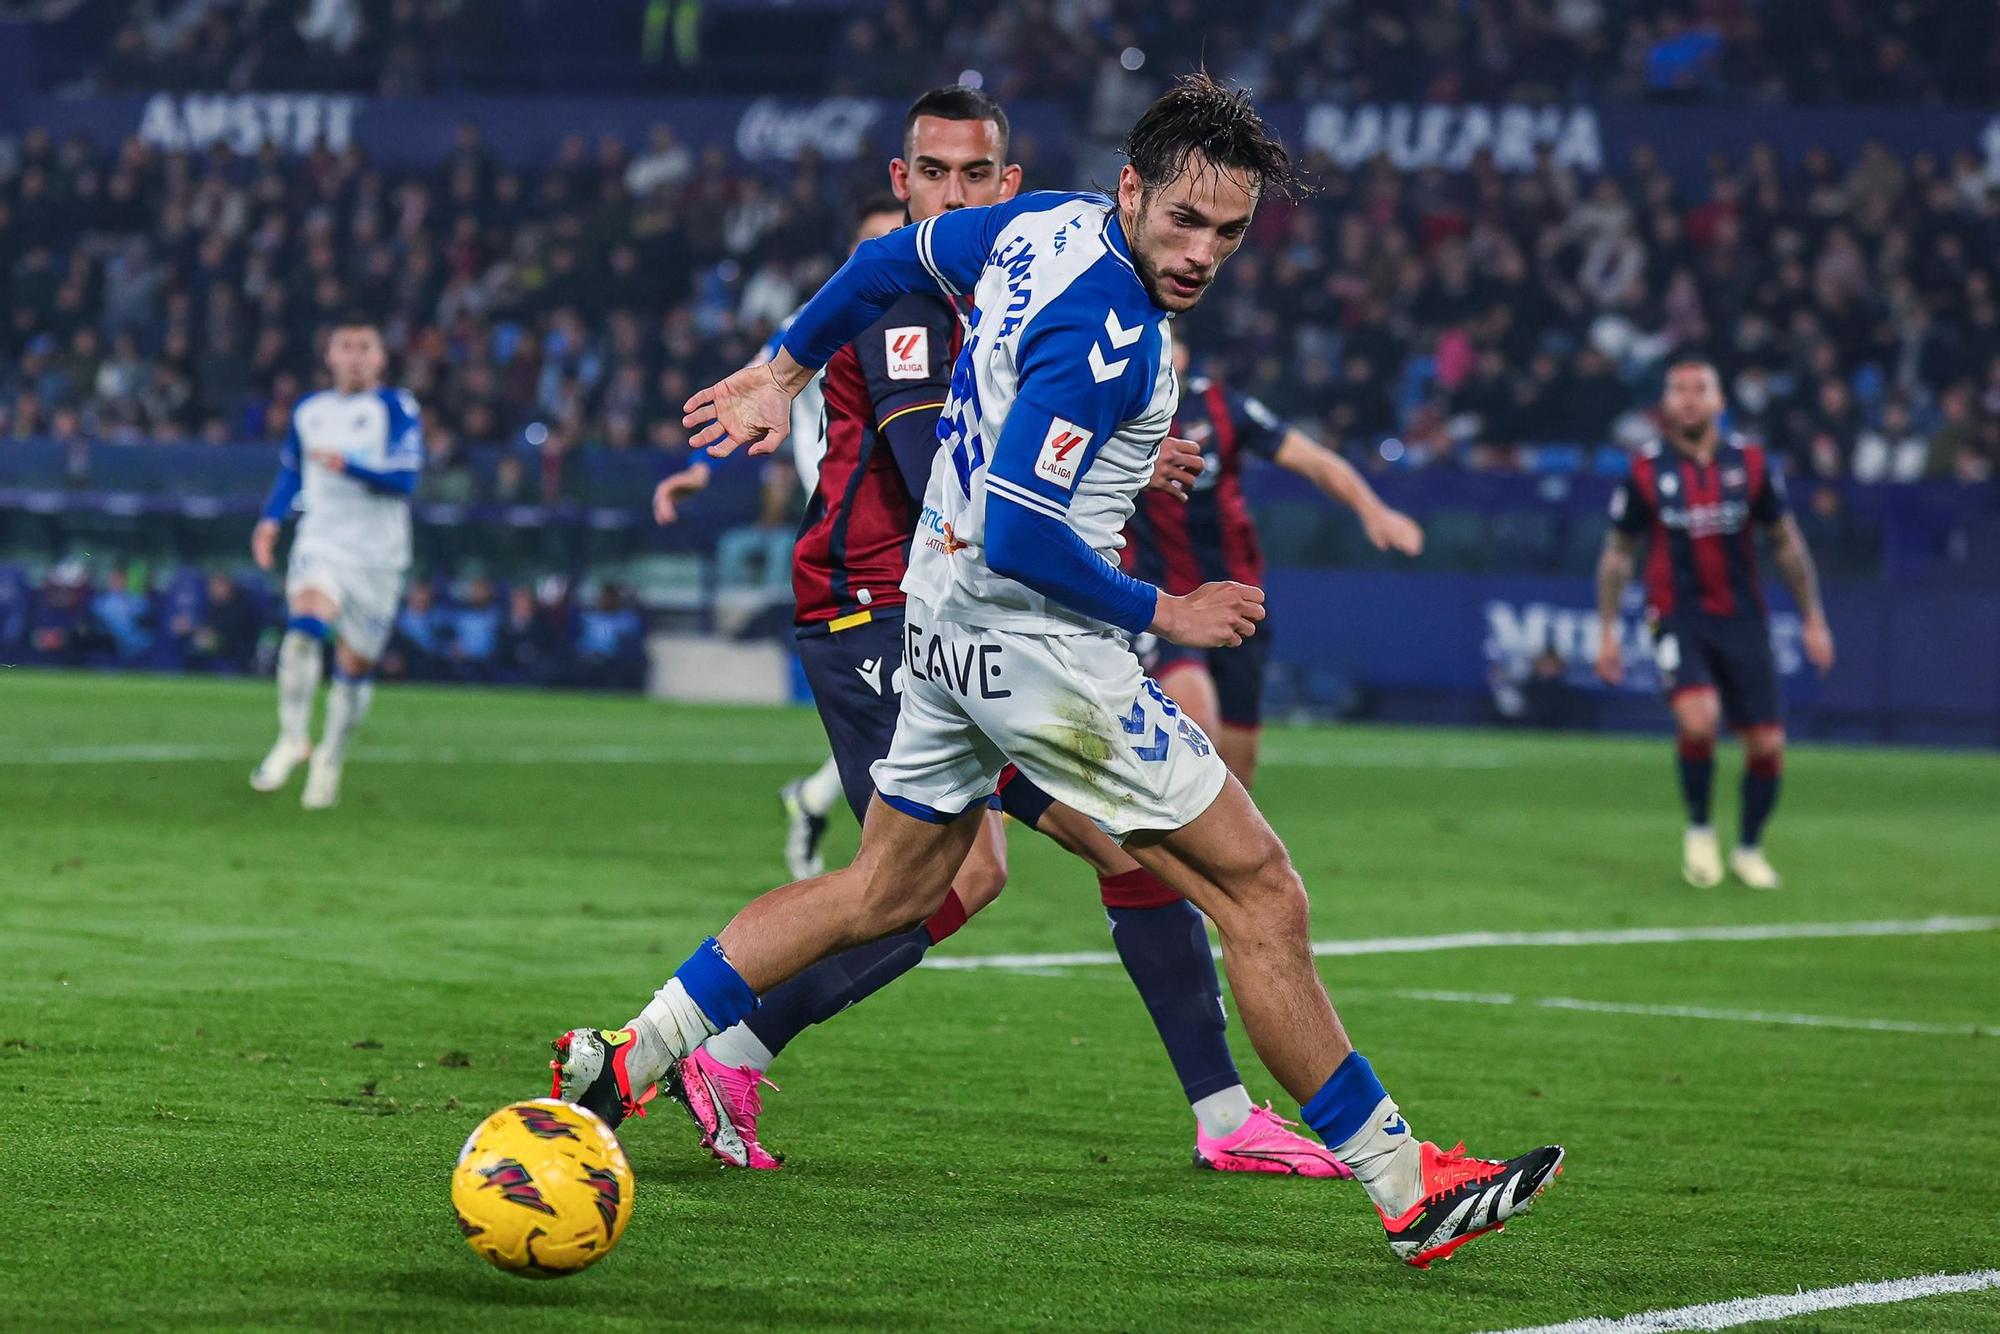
(908, 351)
(1062, 450)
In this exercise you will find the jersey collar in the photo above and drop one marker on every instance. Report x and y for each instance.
(1114, 238)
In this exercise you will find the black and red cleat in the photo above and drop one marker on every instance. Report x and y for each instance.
(590, 1072)
(1466, 1197)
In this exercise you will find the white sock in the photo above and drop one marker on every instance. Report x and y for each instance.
(346, 706)
(1384, 1159)
(299, 658)
(670, 1027)
(1223, 1114)
(738, 1047)
(819, 792)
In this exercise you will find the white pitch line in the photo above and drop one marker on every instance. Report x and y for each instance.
(168, 752)
(1780, 1306)
(1704, 1012)
(1470, 940)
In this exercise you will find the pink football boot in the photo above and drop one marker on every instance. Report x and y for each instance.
(1266, 1143)
(725, 1103)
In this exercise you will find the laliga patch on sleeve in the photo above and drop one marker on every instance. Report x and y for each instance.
(1062, 453)
(908, 351)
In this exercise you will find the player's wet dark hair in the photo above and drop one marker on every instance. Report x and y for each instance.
(357, 319)
(1690, 361)
(1200, 115)
(957, 102)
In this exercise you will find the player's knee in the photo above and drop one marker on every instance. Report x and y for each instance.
(1695, 718)
(1275, 897)
(893, 900)
(979, 885)
(1765, 743)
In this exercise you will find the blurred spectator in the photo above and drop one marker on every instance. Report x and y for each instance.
(422, 639)
(123, 614)
(475, 631)
(221, 632)
(610, 648)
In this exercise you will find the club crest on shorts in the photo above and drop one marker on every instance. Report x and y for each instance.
(908, 352)
(1196, 740)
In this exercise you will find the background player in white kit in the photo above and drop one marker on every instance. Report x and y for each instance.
(350, 464)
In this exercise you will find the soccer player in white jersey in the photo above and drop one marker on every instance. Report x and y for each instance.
(809, 801)
(1018, 631)
(350, 465)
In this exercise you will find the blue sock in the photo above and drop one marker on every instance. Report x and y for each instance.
(311, 626)
(1343, 1103)
(1165, 950)
(831, 985)
(714, 985)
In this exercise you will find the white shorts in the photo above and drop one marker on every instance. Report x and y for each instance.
(365, 598)
(1075, 713)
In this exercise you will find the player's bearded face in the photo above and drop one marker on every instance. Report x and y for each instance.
(1693, 401)
(1180, 232)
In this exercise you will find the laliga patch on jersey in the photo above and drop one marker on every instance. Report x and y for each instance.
(908, 352)
(1062, 452)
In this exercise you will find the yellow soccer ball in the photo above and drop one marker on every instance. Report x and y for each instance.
(542, 1189)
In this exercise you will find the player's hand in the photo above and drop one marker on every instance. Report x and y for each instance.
(1610, 662)
(751, 408)
(264, 543)
(1218, 615)
(1816, 638)
(1393, 530)
(330, 459)
(1177, 467)
(664, 512)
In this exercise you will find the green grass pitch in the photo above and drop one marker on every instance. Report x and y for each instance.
(240, 1045)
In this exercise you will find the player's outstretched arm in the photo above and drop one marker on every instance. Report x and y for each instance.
(1795, 565)
(277, 504)
(1614, 571)
(691, 480)
(1389, 529)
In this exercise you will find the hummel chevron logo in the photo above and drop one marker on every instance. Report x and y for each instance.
(1100, 370)
(1120, 337)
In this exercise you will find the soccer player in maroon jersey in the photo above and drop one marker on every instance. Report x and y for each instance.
(1695, 498)
(883, 394)
(1182, 545)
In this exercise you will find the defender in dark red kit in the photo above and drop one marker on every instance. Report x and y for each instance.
(1180, 545)
(1696, 499)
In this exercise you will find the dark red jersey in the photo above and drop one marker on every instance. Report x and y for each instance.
(1699, 519)
(883, 395)
(1181, 545)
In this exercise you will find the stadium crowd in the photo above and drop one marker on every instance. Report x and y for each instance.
(1412, 318)
(1794, 51)
(473, 629)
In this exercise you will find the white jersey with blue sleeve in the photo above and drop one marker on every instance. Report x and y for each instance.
(359, 514)
(1059, 401)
